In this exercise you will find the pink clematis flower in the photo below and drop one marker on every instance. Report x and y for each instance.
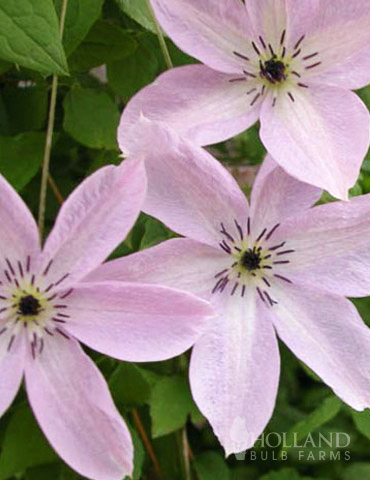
(45, 308)
(290, 66)
(277, 266)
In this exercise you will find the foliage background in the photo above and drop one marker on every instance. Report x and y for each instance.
(121, 35)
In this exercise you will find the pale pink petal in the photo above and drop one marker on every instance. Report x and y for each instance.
(320, 138)
(179, 263)
(200, 104)
(268, 18)
(19, 235)
(12, 359)
(73, 406)
(209, 30)
(332, 247)
(327, 334)
(276, 196)
(188, 189)
(94, 220)
(136, 322)
(340, 33)
(234, 372)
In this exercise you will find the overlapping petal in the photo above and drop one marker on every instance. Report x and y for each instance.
(12, 361)
(276, 196)
(73, 406)
(343, 56)
(327, 334)
(19, 235)
(331, 244)
(321, 137)
(180, 263)
(234, 372)
(198, 194)
(136, 322)
(208, 30)
(94, 220)
(195, 101)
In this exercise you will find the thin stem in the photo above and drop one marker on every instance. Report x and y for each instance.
(186, 454)
(147, 444)
(49, 133)
(55, 190)
(162, 41)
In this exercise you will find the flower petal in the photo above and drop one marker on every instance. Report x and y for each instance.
(276, 196)
(19, 235)
(136, 322)
(320, 138)
(94, 220)
(269, 19)
(200, 104)
(331, 247)
(234, 372)
(327, 334)
(338, 52)
(73, 406)
(188, 190)
(179, 263)
(208, 30)
(12, 357)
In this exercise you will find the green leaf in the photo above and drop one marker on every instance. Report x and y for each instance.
(329, 408)
(211, 466)
(139, 11)
(91, 117)
(24, 445)
(21, 157)
(4, 66)
(104, 43)
(155, 232)
(357, 471)
(128, 76)
(362, 422)
(284, 474)
(129, 385)
(80, 17)
(30, 35)
(26, 108)
(170, 405)
(139, 456)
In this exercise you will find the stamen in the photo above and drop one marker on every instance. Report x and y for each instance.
(290, 95)
(310, 56)
(271, 232)
(255, 99)
(45, 272)
(240, 55)
(48, 332)
(20, 268)
(249, 226)
(285, 252)
(11, 342)
(243, 290)
(249, 74)
(223, 286)
(282, 37)
(3, 309)
(62, 279)
(226, 248)
(8, 276)
(296, 74)
(49, 288)
(260, 294)
(10, 266)
(281, 262)
(62, 333)
(283, 52)
(41, 345)
(218, 284)
(241, 79)
(255, 48)
(272, 51)
(251, 91)
(60, 306)
(299, 42)
(226, 233)
(261, 234)
(32, 280)
(313, 66)
(296, 53)
(271, 301)
(28, 266)
(266, 281)
(282, 278)
(262, 42)
(234, 288)
(221, 273)
(3, 330)
(303, 85)
(67, 294)
(240, 230)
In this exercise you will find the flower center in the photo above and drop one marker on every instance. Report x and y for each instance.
(29, 305)
(273, 70)
(256, 261)
(251, 259)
